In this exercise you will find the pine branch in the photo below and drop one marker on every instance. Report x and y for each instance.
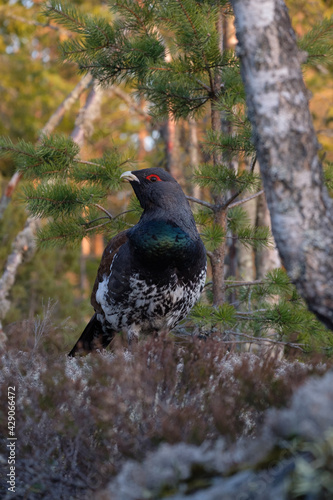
(317, 43)
(141, 22)
(242, 283)
(48, 128)
(245, 200)
(201, 202)
(228, 204)
(211, 79)
(103, 210)
(64, 13)
(256, 237)
(260, 340)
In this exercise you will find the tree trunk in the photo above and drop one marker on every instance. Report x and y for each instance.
(266, 258)
(84, 123)
(23, 249)
(217, 257)
(300, 207)
(246, 261)
(173, 150)
(194, 152)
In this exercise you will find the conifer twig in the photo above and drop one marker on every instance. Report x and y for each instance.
(203, 85)
(104, 210)
(262, 339)
(201, 202)
(234, 284)
(96, 227)
(249, 313)
(243, 283)
(253, 163)
(245, 200)
(227, 204)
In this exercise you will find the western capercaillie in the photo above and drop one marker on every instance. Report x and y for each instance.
(151, 275)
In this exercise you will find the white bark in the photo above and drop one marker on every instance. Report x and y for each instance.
(84, 123)
(24, 244)
(23, 249)
(300, 207)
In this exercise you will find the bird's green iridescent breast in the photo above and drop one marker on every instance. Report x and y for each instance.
(160, 240)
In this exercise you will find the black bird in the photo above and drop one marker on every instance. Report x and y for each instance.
(151, 275)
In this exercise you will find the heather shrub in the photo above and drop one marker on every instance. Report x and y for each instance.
(290, 457)
(79, 420)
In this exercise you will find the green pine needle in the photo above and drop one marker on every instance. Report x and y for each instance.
(278, 282)
(255, 237)
(225, 314)
(213, 236)
(221, 178)
(318, 43)
(60, 199)
(66, 14)
(238, 219)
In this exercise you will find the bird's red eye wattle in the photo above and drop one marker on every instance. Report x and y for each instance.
(153, 178)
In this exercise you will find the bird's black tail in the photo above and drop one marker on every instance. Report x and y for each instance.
(93, 337)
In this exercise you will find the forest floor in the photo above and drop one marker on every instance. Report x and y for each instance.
(176, 418)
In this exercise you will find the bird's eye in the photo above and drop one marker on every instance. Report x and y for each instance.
(153, 178)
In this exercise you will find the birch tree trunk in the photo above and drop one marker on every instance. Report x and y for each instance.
(300, 207)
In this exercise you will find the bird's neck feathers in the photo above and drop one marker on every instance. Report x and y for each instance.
(158, 242)
(175, 210)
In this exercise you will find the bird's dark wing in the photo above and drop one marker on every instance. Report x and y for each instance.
(104, 268)
(94, 335)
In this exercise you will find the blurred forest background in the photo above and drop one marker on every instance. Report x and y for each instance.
(180, 416)
(34, 83)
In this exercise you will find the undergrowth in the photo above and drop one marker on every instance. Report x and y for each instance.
(79, 420)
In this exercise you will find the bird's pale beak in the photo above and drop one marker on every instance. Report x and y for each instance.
(128, 176)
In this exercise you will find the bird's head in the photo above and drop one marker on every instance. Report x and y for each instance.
(161, 197)
(154, 187)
